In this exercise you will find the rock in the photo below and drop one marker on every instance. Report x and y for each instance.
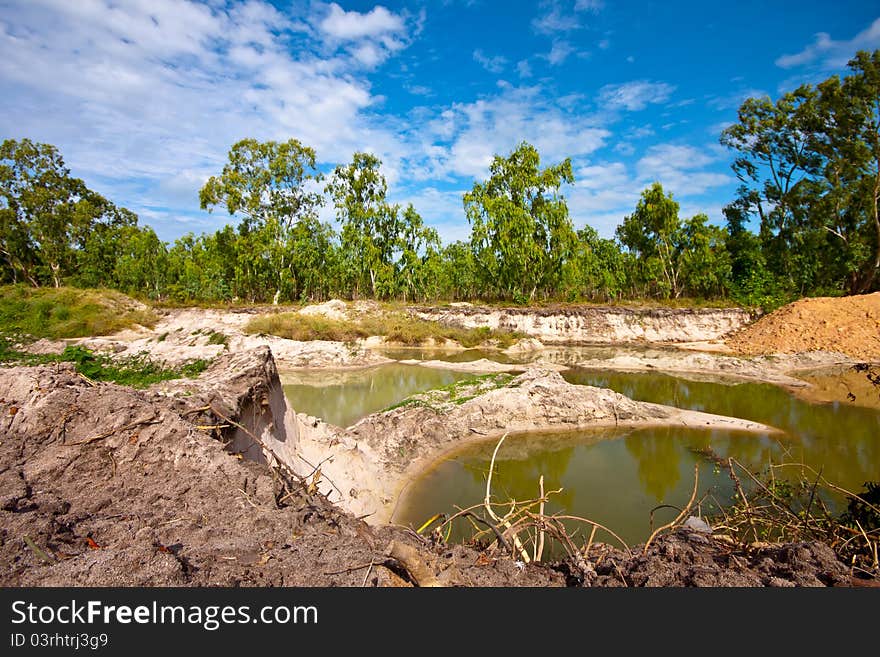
(525, 345)
(697, 524)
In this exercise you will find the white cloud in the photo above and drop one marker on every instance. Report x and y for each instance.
(640, 132)
(635, 95)
(442, 209)
(734, 100)
(828, 53)
(494, 64)
(370, 37)
(353, 25)
(604, 44)
(679, 169)
(158, 91)
(559, 52)
(556, 19)
(474, 132)
(605, 192)
(603, 176)
(554, 22)
(524, 68)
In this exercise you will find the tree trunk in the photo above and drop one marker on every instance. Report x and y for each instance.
(865, 283)
(55, 278)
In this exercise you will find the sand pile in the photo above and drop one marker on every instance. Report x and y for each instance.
(849, 325)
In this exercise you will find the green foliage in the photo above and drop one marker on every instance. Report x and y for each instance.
(671, 257)
(136, 371)
(67, 312)
(521, 233)
(269, 184)
(809, 164)
(455, 394)
(216, 337)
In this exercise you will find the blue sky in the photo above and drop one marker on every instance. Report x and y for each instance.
(145, 97)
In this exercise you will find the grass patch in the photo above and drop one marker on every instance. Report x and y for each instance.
(135, 371)
(216, 337)
(394, 326)
(455, 394)
(67, 312)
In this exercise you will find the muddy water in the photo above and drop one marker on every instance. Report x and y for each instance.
(617, 476)
(344, 397)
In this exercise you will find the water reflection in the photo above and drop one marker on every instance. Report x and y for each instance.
(342, 397)
(659, 461)
(842, 439)
(617, 476)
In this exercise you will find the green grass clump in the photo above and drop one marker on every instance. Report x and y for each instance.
(216, 337)
(135, 371)
(67, 312)
(455, 394)
(394, 326)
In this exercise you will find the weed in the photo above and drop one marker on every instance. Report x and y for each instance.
(136, 371)
(67, 312)
(216, 337)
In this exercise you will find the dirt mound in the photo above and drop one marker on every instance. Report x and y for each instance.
(691, 558)
(102, 485)
(848, 325)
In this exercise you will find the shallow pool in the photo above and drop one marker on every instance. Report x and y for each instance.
(616, 476)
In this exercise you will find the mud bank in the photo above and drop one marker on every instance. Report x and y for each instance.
(598, 325)
(779, 369)
(107, 486)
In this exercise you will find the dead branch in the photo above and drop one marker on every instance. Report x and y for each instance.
(681, 515)
(408, 557)
(488, 505)
(131, 425)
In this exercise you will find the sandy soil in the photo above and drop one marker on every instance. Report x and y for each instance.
(849, 325)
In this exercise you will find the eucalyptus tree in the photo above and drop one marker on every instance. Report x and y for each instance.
(847, 139)
(370, 225)
(600, 271)
(809, 164)
(418, 249)
(521, 232)
(46, 215)
(272, 186)
(653, 234)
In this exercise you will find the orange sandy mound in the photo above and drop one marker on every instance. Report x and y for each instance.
(850, 325)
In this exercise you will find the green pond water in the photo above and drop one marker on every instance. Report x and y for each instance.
(344, 397)
(612, 476)
(616, 476)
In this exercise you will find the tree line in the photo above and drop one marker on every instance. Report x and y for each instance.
(808, 166)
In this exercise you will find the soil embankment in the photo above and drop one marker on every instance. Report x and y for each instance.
(104, 485)
(598, 324)
(108, 486)
(847, 325)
